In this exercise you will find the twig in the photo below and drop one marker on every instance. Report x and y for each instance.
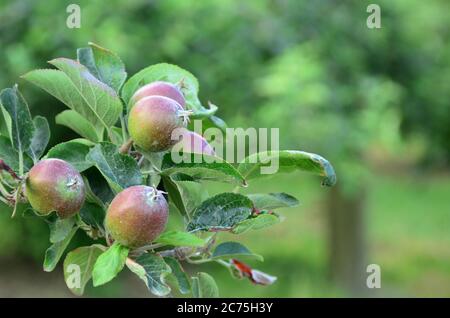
(109, 242)
(4, 166)
(16, 200)
(5, 183)
(124, 130)
(180, 253)
(4, 200)
(4, 192)
(141, 160)
(126, 146)
(222, 262)
(185, 252)
(197, 261)
(207, 248)
(148, 247)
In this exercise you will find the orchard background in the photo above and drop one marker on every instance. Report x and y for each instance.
(375, 102)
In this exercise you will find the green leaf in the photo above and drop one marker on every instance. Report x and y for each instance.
(185, 194)
(93, 215)
(28, 212)
(60, 228)
(100, 99)
(22, 127)
(8, 154)
(192, 194)
(184, 284)
(84, 141)
(218, 122)
(229, 250)
(154, 158)
(272, 200)
(11, 157)
(121, 171)
(54, 252)
(257, 223)
(116, 136)
(204, 286)
(152, 270)
(176, 238)
(80, 125)
(5, 122)
(109, 264)
(288, 161)
(74, 152)
(40, 139)
(91, 197)
(202, 167)
(76, 87)
(103, 64)
(201, 112)
(98, 190)
(221, 212)
(173, 74)
(152, 166)
(161, 72)
(174, 195)
(78, 267)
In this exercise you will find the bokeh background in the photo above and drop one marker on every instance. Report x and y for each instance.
(375, 102)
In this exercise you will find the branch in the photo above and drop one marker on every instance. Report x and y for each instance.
(126, 146)
(4, 166)
(4, 192)
(186, 252)
(139, 251)
(16, 200)
(4, 200)
(180, 253)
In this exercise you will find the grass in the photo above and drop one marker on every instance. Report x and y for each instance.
(409, 229)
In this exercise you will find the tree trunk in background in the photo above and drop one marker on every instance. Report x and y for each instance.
(347, 245)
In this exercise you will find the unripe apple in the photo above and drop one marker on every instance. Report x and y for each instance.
(54, 185)
(152, 120)
(159, 88)
(137, 216)
(193, 143)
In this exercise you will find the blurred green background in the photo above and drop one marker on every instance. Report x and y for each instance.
(375, 102)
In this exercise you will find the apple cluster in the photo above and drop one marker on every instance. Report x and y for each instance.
(138, 214)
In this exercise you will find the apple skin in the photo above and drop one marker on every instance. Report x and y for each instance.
(55, 185)
(152, 121)
(194, 143)
(159, 88)
(137, 216)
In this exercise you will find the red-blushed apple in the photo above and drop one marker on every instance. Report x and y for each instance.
(137, 216)
(152, 120)
(159, 88)
(55, 185)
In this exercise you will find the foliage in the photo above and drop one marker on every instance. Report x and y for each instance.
(91, 88)
(349, 57)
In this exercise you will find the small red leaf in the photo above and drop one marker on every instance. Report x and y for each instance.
(256, 276)
(262, 278)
